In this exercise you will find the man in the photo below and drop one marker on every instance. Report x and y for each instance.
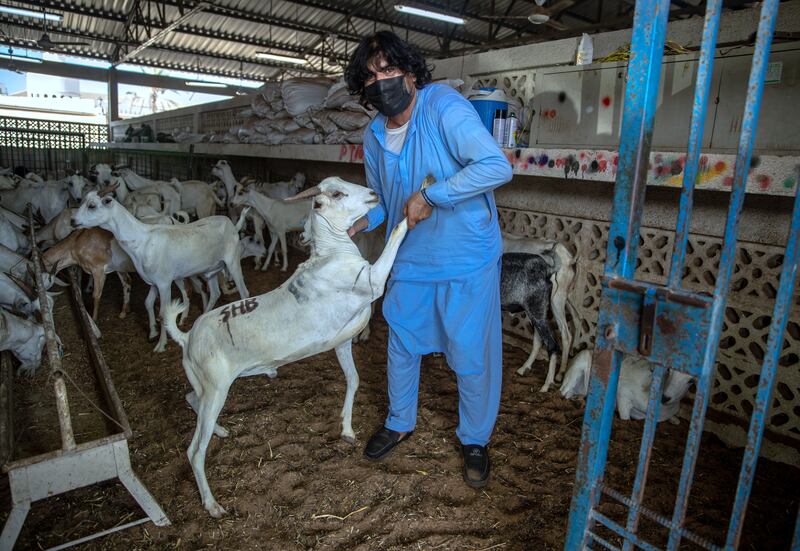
(444, 291)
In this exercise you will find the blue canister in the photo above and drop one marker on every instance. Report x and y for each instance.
(486, 102)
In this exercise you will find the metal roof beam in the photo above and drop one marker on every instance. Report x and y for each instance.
(67, 7)
(175, 49)
(466, 38)
(160, 34)
(183, 29)
(470, 14)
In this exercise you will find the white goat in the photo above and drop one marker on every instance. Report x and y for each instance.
(562, 282)
(322, 306)
(48, 198)
(222, 170)
(280, 217)
(197, 197)
(16, 295)
(22, 268)
(633, 388)
(12, 237)
(24, 338)
(19, 221)
(370, 246)
(163, 254)
(283, 190)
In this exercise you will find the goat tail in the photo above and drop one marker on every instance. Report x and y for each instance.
(241, 220)
(169, 318)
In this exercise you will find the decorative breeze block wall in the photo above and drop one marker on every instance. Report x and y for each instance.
(747, 318)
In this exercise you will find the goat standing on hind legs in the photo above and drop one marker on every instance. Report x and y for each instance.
(322, 306)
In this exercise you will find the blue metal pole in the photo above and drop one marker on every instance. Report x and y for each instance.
(704, 71)
(755, 88)
(766, 383)
(641, 93)
(645, 449)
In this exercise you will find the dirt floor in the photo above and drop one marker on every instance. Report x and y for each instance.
(288, 482)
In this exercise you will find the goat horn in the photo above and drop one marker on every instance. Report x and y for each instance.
(304, 194)
(27, 289)
(108, 189)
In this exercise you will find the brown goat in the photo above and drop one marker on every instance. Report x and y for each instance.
(97, 253)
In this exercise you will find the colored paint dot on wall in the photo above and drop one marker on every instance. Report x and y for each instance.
(606, 101)
(788, 183)
(551, 163)
(764, 181)
(531, 160)
(720, 166)
(728, 181)
(703, 161)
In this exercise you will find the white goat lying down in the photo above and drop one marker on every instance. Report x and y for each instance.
(633, 388)
(322, 306)
(163, 254)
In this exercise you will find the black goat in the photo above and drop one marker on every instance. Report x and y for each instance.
(525, 286)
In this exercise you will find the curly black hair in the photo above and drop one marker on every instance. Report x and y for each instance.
(395, 51)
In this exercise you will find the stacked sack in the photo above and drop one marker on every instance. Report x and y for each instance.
(301, 111)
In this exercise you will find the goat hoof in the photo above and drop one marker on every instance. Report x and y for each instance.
(349, 439)
(544, 388)
(215, 510)
(122, 315)
(221, 432)
(523, 370)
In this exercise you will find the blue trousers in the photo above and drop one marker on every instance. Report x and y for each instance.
(462, 319)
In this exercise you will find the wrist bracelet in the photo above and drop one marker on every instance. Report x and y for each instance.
(427, 200)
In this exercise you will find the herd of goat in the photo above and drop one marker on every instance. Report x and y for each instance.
(170, 232)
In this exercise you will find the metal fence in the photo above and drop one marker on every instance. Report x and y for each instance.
(51, 148)
(675, 328)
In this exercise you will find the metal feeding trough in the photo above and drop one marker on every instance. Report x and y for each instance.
(74, 465)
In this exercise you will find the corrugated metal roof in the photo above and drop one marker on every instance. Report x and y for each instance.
(225, 37)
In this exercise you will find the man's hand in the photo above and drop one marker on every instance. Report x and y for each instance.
(416, 209)
(358, 226)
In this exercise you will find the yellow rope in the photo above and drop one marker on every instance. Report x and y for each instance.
(623, 53)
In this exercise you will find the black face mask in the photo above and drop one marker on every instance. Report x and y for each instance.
(389, 95)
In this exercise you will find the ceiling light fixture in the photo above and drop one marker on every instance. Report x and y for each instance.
(29, 13)
(430, 14)
(20, 58)
(283, 58)
(202, 83)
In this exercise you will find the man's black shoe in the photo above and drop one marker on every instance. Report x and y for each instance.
(476, 465)
(383, 442)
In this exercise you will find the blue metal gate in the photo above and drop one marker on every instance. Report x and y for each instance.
(670, 326)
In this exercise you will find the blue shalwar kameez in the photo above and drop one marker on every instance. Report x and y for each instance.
(444, 291)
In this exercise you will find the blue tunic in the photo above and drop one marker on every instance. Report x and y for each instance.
(444, 292)
(446, 139)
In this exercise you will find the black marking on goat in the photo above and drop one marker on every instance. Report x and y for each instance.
(294, 289)
(525, 285)
(238, 308)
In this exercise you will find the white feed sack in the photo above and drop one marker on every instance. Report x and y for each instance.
(301, 93)
(349, 120)
(302, 136)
